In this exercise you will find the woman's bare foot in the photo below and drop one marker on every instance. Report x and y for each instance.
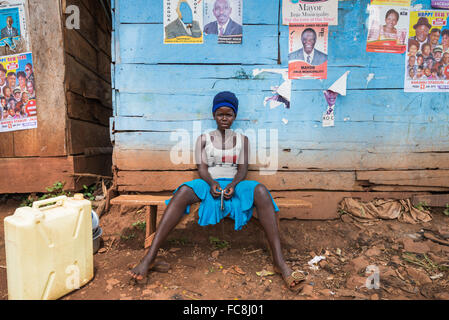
(292, 279)
(141, 270)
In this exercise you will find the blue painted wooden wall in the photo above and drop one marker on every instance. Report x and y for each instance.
(380, 131)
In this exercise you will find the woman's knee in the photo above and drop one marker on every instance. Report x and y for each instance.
(186, 193)
(261, 194)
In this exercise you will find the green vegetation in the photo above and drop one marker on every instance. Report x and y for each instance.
(89, 192)
(141, 225)
(446, 211)
(422, 206)
(54, 191)
(217, 243)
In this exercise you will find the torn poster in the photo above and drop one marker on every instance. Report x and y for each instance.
(387, 27)
(427, 58)
(13, 26)
(310, 11)
(183, 21)
(18, 109)
(307, 56)
(440, 4)
(331, 94)
(282, 93)
(224, 18)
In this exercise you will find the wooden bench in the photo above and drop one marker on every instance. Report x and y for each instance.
(151, 203)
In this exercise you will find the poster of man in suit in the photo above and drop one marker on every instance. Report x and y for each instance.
(308, 51)
(224, 18)
(13, 33)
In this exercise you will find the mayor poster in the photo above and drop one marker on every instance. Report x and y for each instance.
(308, 44)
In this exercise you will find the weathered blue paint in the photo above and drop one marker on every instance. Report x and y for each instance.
(160, 88)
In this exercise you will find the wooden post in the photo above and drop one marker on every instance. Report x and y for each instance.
(151, 218)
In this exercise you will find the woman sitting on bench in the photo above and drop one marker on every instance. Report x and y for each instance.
(222, 160)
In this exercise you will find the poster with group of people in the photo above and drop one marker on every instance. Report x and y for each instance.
(187, 21)
(427, 58)
(18, 109)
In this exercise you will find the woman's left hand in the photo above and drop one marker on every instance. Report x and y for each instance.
(229, 192)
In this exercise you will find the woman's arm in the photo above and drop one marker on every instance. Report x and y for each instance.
(242, 169)
(201, 162)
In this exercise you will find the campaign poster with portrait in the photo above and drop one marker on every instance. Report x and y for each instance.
(13, 27)
(427, 58)
(18, 98)
(308, 45)
(224, 18)
(387, 28)
(310, 11)
(183, 21)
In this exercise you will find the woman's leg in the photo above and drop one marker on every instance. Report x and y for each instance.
(175, 210)
(267, 218)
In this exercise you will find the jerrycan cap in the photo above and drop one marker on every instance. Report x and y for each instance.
(78, 196)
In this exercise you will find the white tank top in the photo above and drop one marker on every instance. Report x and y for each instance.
(223, 163)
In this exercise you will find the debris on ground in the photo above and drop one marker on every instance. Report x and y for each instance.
(391, 260)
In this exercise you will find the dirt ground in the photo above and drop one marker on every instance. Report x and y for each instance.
(216, 262)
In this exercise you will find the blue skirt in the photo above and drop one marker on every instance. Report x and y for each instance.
(239, 207)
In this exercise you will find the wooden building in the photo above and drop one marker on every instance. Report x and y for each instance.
(385, 142)
(74, 101)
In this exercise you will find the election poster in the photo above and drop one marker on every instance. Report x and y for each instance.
(183, 21)
(387, 27)
(13, 26)
(18, 98)
(427, 58)
(224, 18)
(310, 11)
(308, 45)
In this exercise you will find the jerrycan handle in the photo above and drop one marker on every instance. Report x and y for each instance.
(59, 202)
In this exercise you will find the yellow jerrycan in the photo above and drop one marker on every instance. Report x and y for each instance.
(49, 248)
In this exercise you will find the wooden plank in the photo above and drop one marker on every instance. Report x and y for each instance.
(384, 105)
(34, 174)
(81, 108)
(425, 178)
(138, 12)
(95, 165)
(86, 83)
(89, 29)
(157, 181)
(80, 49)
(84, 135)
(137, 45)
(374, 135)
(431, 200)
(148, 159)
(6, 144)
(48, 139)
(206, 79)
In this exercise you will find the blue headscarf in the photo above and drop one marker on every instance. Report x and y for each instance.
(226, 99)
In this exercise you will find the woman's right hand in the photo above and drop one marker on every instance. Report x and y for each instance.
(215, 190)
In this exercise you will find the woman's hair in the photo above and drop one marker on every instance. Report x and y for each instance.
(392, 11)
(413, 42)
(4, 90)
